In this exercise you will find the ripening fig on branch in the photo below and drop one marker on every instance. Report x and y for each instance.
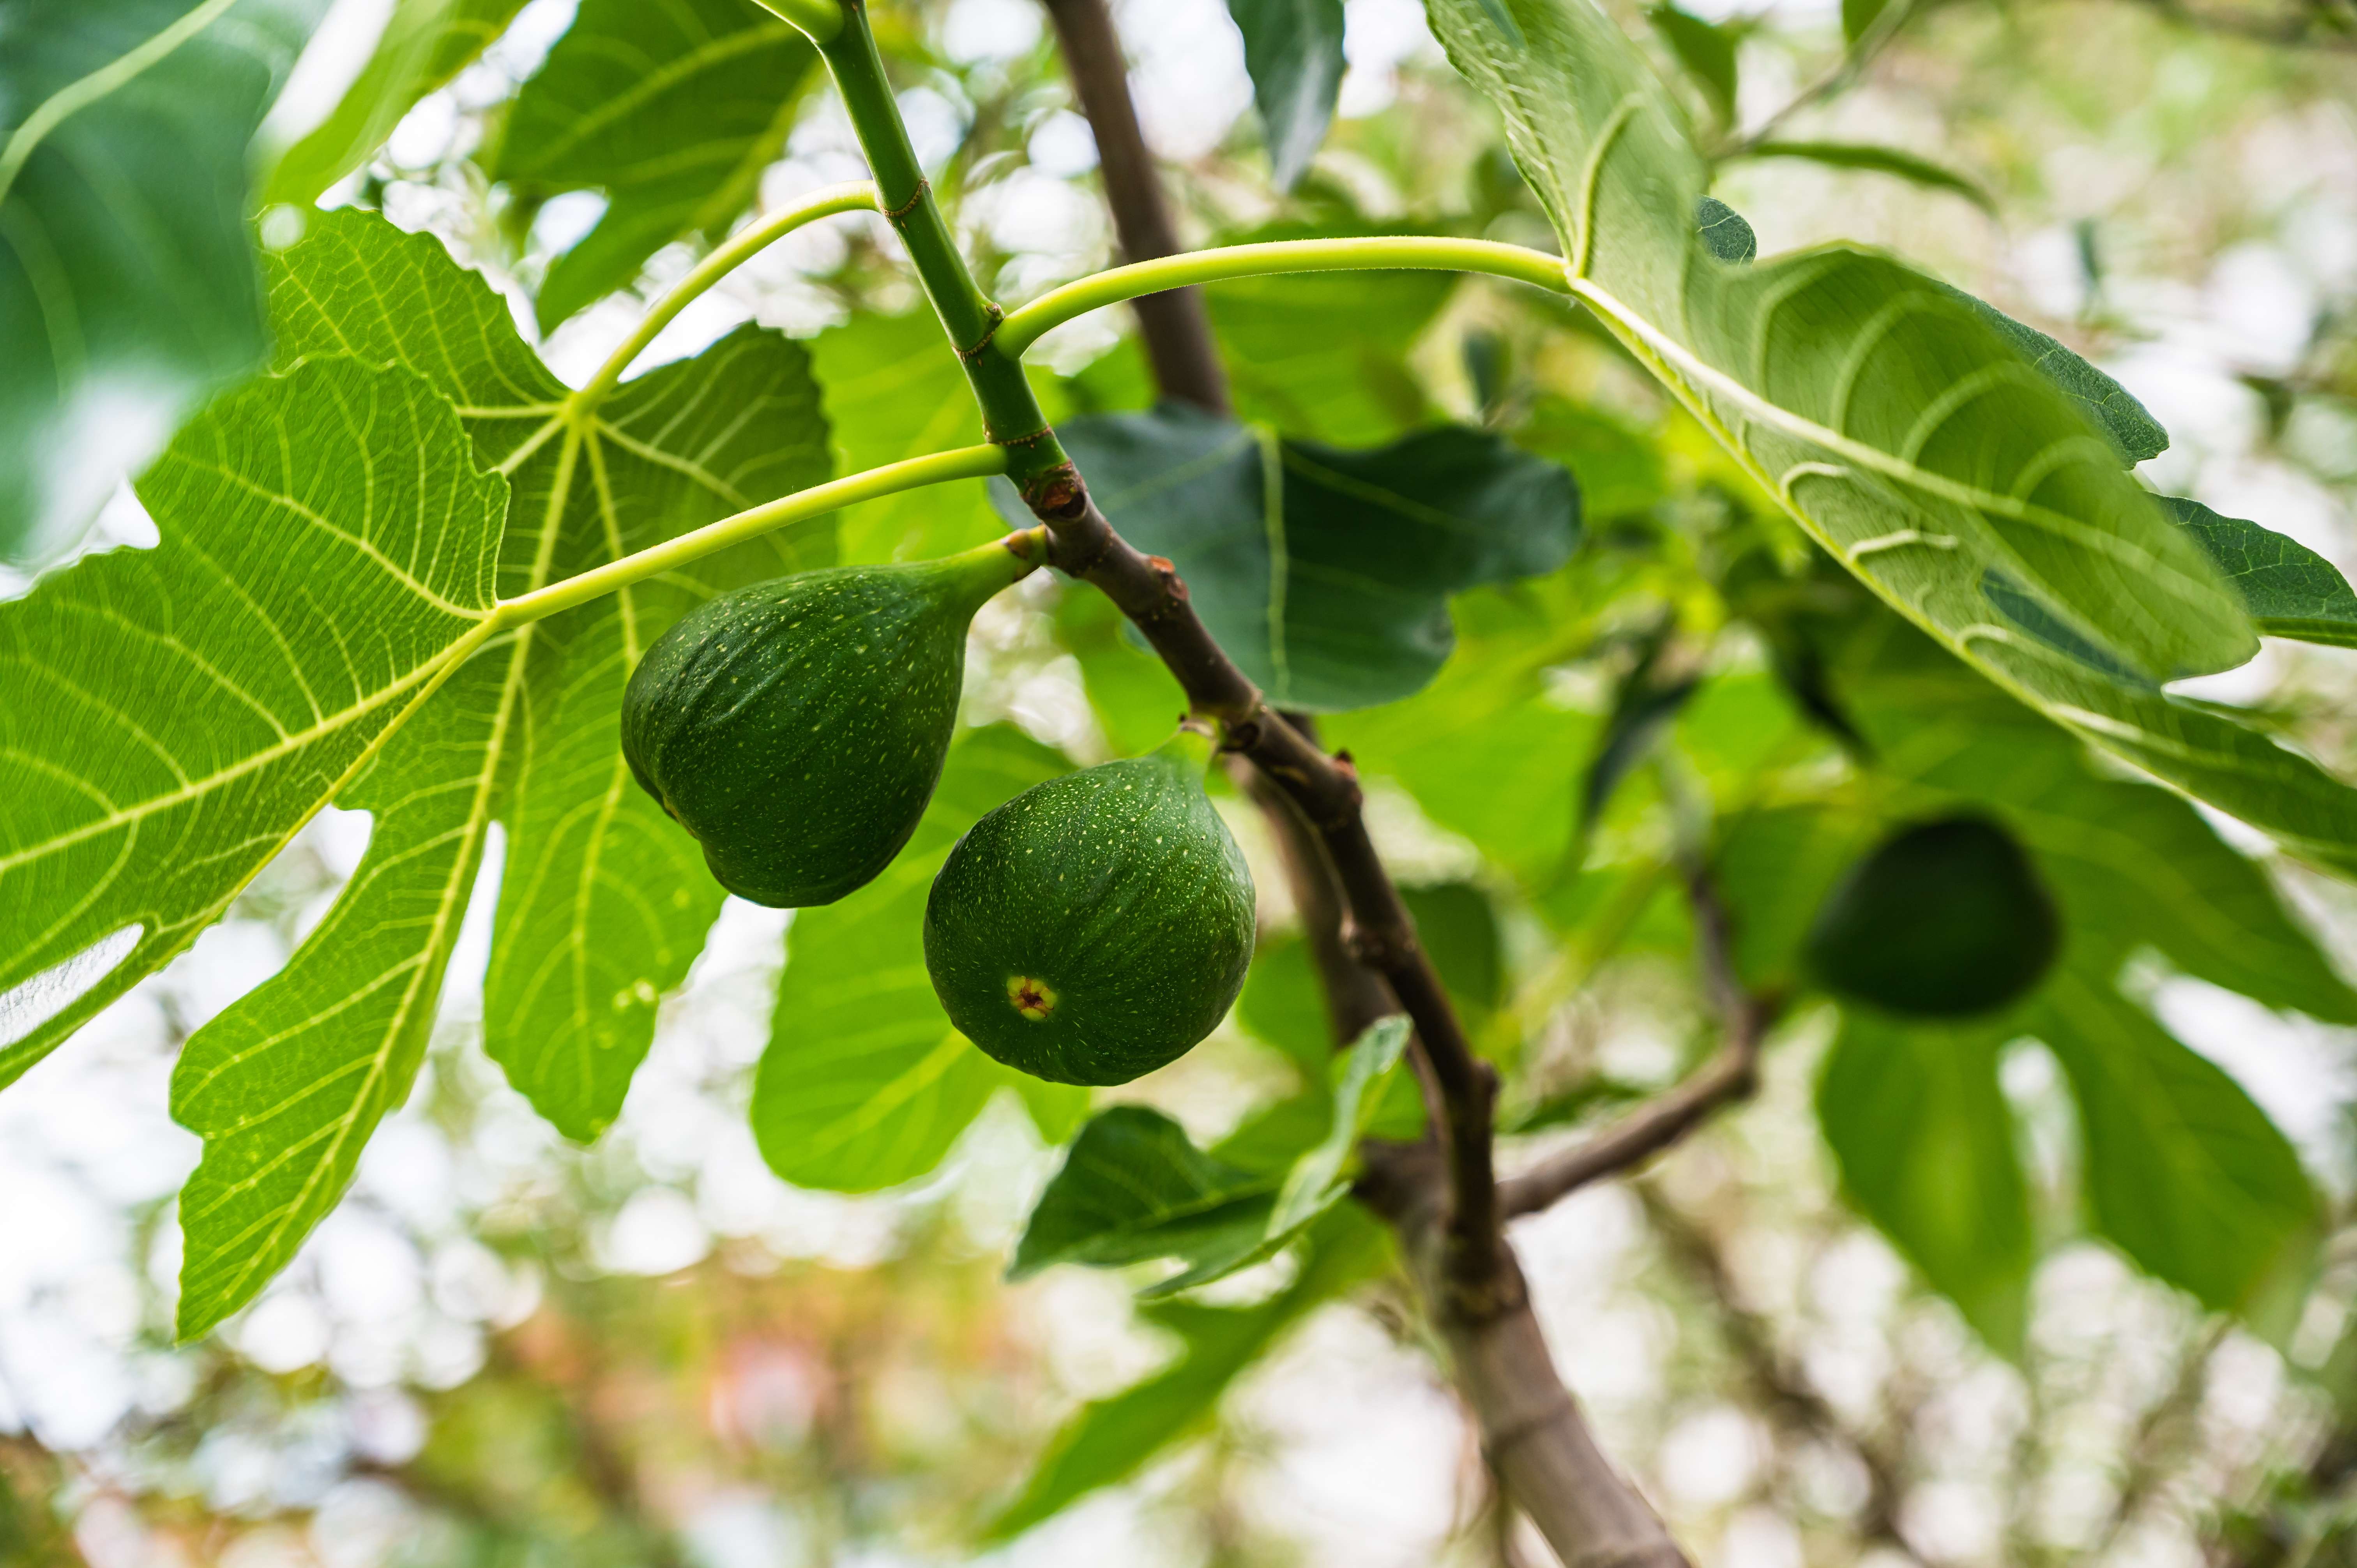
(1095, 927)
(1942, 919)
(797, 727)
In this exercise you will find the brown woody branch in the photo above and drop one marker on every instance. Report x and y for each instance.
(1326, 791)
(1440, 1198)
(1177, 332)
(1730, 1075)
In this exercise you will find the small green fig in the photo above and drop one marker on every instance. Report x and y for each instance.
(1942, 919)
(797, 727)
(1095, 927)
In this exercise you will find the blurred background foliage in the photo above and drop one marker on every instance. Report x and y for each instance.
(2068, 1285)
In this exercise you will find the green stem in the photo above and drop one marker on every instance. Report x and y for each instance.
(965, 463)
(1010, 413)
(857, 196)
(1405, 252)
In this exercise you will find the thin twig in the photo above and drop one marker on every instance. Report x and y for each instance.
(1730, 1075)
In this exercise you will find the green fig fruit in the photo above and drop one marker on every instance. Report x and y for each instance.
(1942, 919)
(797, 727)
(1095, 927)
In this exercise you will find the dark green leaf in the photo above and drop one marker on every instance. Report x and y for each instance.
(1725, 233)
(128, 289)
(423, 45)
(672, 111)
(2291, 590)
(1326, 573)
(1644, 702)
(865, 1084)
(1293, 49)
(1109, 1439)
(1880, 160)
(1925, 1142)
(1705, 49)
(1135, 1187)
(2181, 1170)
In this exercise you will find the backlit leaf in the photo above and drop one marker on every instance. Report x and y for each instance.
(1925, 1141)
(672, 111)
(604, 901)
(170, 717)
(2182, 1171)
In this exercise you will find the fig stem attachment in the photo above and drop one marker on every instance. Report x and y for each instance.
(853, 196)
(964, 463)
(1409, 252)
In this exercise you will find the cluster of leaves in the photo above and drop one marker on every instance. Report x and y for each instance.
(319, 625)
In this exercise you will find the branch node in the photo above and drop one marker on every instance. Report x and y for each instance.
(894, 215)
(982, 343)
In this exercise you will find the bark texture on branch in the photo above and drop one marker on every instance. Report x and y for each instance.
(1441, 1195)
(1177, 332)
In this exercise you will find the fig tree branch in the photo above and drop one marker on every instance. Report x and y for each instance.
(1590, 1513)
(1175, 327)
(1730, 1075)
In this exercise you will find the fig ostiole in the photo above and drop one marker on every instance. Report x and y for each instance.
(1095, 927)
(1946, 919)
(797, 727)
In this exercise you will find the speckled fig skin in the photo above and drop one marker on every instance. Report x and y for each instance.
(1095, 927)
(797, 727)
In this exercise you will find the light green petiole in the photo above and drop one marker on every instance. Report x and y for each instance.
(1414, 252)
(965, 463)
(857, 196)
